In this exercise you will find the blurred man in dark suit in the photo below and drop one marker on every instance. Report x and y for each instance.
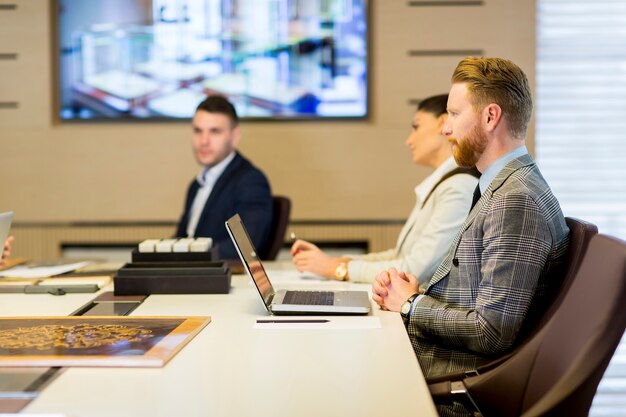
(227, 184)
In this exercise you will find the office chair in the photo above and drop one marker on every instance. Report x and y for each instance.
(557, 372)
(280, 221)
(580, 234)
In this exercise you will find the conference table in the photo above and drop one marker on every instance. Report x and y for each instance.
(350, 366)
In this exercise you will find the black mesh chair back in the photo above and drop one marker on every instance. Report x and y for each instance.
(280, 221)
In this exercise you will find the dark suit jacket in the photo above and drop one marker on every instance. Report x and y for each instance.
(497, 271)
(242, 188)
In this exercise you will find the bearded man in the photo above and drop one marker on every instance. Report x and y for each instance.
(500, 264)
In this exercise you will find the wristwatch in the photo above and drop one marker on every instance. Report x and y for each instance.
(341, 272)
(405, 309)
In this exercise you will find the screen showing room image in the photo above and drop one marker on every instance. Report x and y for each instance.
(157, 59)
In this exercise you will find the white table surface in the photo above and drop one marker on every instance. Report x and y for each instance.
(232, 369)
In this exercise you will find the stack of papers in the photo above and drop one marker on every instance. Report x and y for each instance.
(100, 281)
(24, 271)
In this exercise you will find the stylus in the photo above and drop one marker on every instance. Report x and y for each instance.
(293, 321)
(60, 290)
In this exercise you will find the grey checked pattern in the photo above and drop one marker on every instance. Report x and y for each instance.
(497, 270)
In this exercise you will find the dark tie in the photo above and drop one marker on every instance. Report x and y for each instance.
(476, 196)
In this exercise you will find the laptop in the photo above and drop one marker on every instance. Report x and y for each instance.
(289, 302)
(5, 225)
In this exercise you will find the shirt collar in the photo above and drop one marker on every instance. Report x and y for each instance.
(210, 174)
(424, 187)
(494, 169)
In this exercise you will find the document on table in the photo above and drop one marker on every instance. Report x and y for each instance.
(33, 415)
(24, 271)
(99, 280)
(293, 275)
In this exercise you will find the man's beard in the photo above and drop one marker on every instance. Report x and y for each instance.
(468, 151)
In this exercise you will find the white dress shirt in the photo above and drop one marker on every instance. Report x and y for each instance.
(207, 179)
(428, 232)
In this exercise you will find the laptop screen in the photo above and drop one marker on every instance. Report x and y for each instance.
(248, 256)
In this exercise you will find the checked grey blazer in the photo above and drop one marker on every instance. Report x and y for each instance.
(498, 267)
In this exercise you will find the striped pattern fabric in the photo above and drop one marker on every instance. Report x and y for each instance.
(497, 271)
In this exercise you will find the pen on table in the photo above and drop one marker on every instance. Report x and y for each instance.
(293, 321)
(292, 240)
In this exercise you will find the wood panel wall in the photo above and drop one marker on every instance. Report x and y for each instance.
(54, 173)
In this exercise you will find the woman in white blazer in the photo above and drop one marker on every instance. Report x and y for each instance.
(443, 200)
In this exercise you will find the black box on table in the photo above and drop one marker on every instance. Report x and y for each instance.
(197, 277)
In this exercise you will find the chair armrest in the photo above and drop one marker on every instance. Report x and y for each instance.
(453, 376)
(447, 392)
(441, 392)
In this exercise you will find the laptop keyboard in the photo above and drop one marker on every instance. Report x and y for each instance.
(316, 298)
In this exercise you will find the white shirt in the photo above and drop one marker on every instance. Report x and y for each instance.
(207, 179)
(428, 232)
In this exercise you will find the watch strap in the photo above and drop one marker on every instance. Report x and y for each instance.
(410, 302)
(341, 272)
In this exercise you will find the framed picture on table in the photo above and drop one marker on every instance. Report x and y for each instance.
(95, 341)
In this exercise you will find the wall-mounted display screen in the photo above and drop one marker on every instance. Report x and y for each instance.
(157, 59)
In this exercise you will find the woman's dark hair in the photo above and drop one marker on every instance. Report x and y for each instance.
(436, 105)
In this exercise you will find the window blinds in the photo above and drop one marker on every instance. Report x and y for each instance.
(581, 108)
